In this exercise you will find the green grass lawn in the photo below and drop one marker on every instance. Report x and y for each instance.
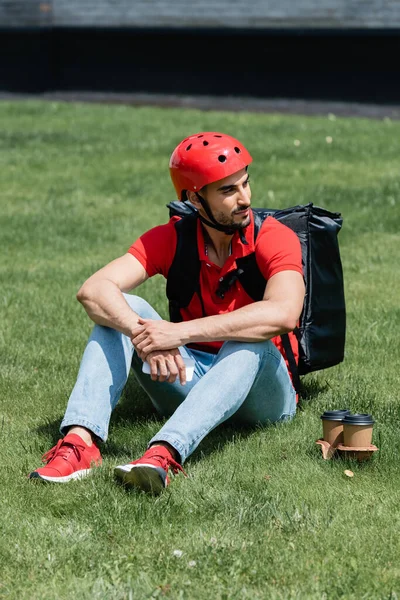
(261, 514)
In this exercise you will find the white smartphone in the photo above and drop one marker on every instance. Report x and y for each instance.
(189, 364)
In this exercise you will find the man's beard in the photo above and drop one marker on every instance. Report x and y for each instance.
(223, 219)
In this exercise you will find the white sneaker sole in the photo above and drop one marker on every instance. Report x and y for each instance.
(144, 477)
(76, 475)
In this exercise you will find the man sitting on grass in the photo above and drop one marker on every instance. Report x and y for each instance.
(241, 371)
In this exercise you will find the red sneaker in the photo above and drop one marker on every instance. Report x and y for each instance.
(149, 473)
(71, 458)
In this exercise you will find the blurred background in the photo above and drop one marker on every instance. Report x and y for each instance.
(343, 50)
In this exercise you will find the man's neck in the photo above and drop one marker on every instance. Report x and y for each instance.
(217, 245)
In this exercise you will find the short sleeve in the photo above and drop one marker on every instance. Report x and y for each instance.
(155, 249)
(277, 249)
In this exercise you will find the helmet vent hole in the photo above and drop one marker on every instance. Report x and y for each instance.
(188, 148)
(237, 150)
(221, 158)
(205, 143)
(199, 136)
(217, 135)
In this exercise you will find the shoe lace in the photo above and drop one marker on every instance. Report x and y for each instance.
(63, 450)
(168, 462)
(175, 466)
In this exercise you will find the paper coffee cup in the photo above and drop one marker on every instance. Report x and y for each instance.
(332, 425)
(357, 430)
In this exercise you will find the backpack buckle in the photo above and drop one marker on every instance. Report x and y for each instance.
(227, 282)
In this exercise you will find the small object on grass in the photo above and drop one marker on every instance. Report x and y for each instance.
(178, 553)
(164, 589)
(267, 477)
(297, 142)
(349, 473)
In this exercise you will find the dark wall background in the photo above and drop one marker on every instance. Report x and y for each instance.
(351, 65)
(335, 49)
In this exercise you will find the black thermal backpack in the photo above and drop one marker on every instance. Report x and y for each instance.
(322, 325)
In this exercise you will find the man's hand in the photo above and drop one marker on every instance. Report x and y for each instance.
(166, 360)
(152, 335)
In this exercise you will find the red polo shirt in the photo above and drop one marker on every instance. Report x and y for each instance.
(277, 248)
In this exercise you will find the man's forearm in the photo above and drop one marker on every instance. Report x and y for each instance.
(255, 322)
(106, 305)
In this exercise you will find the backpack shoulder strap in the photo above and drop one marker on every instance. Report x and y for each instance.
(292, 361)
(184, 273)
(249, 274)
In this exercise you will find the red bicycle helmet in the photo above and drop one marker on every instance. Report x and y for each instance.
(206, 157)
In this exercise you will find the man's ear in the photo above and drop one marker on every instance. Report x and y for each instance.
(191, 196)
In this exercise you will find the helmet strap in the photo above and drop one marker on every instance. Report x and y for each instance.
(214, 223)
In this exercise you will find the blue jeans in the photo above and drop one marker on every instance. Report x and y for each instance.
(245, 382)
